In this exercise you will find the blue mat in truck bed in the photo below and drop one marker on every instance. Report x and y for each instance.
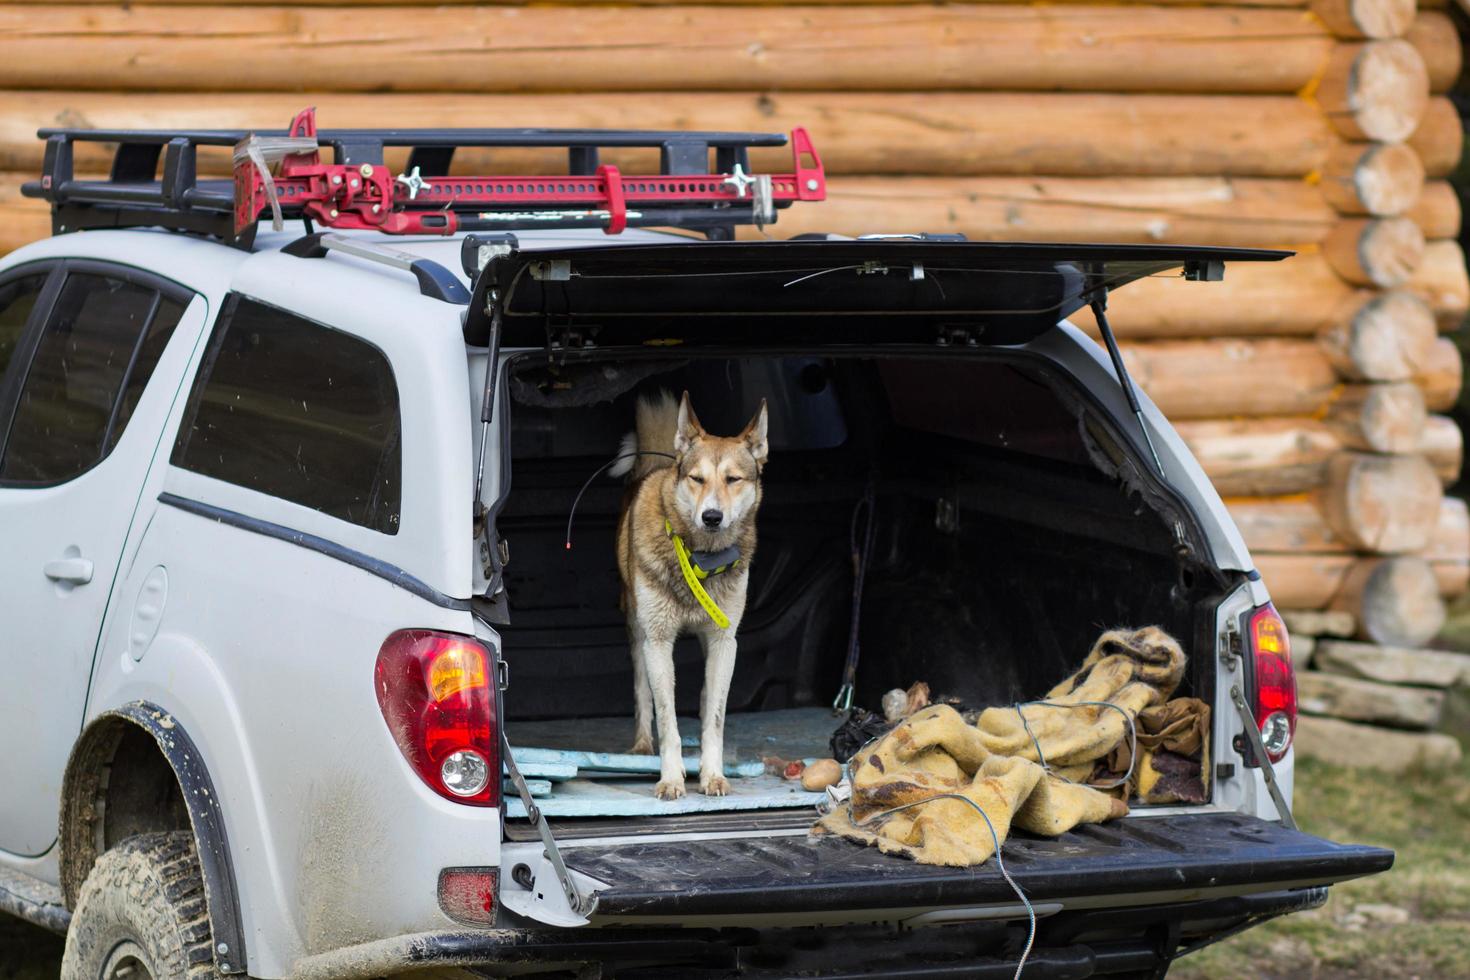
(801, 873)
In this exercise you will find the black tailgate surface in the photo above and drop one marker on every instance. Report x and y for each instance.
(780, 874)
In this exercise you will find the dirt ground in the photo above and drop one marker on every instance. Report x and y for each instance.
(26, 952)
(1413, 922)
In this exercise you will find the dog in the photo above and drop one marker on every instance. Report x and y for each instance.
(703, 503)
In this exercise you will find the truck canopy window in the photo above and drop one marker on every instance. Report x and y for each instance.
(297, 410)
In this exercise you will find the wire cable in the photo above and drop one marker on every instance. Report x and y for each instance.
(595, 474)
(1127, 718)
(999, 862)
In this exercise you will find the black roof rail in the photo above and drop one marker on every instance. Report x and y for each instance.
(357, 191)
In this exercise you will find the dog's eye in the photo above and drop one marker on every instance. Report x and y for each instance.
(697, 479)
(732, 479)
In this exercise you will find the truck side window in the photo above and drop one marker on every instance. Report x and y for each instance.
(17, 299)
(67, 418)
(297, 410)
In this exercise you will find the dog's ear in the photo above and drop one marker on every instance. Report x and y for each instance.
(687, 428)
(755, 435)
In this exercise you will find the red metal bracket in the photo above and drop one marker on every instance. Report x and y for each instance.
(370, 197)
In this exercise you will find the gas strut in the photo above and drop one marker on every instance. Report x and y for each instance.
(1099, 312)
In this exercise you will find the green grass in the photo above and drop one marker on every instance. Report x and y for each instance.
(1425, 818)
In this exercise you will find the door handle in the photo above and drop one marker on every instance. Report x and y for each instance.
(77, 571)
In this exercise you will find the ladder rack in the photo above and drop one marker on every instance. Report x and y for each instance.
(279, 174)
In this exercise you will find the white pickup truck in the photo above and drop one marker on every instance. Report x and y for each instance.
(265, 650)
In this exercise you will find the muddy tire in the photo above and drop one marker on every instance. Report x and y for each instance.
(141, 914)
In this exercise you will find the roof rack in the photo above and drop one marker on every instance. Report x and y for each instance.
(281, 172)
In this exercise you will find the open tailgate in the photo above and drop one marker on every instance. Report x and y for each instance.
(790, 292)
(1139, 860)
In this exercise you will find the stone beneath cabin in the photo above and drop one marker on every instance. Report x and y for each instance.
(1319, 622)
(1347, 743)
(1392, 665)
(1359, 700)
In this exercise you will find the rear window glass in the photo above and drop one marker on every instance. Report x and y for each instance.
(17, 299)
(66, 420)
(300, 411)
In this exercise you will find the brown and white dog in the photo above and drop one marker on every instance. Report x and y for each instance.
(707, 496)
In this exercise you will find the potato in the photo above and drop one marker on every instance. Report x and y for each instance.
(821, 774)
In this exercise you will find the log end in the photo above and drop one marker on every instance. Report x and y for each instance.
(1381, 252)
(1379, 179)
(1376, 90)
(1366, 18)
(1382, 504)
(1388, 337)
(1396, 601)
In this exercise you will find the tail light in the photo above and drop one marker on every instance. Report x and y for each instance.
(435, 691)
(1275, 680)
(468, 894)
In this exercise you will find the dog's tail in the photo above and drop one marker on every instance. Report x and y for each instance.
(657, 419)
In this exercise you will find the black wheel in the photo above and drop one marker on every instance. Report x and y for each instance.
(141, 915)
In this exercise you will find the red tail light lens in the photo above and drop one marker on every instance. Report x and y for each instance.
(435, 694)
(468, 894)
(1275, 680)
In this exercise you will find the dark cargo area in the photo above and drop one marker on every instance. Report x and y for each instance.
(1004, 542)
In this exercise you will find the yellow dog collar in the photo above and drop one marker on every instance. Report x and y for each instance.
(695, 571)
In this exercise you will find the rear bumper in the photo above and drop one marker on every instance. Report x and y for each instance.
(1086, 943)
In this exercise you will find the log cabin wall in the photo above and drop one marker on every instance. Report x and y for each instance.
(1311, 391)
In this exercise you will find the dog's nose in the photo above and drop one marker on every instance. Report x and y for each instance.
(712, 518)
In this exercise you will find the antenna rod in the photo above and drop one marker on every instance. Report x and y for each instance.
(1099, 312)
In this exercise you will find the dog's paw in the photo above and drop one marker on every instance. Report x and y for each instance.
(714, 786)
(642, 746)
(669, 789)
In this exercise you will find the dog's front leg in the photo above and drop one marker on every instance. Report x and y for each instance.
(642, 696)
(719, 665)
(658, 660)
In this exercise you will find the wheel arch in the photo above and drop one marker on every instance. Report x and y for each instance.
(85, 789)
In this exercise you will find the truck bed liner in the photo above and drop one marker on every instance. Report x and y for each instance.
(1127, 858)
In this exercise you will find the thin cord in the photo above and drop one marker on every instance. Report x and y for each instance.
(999, 862)
(1132, 736)
(595, 474)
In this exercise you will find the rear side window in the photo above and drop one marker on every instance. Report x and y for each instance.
(297, 410)
(17, 299)
(91, 349)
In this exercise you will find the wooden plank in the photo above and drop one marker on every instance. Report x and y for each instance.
(1300, 296)
(1063, 134)
(1222, 211)
(541, 49)
(1194, 379)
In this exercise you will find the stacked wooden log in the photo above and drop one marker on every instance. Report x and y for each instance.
(1312, 390)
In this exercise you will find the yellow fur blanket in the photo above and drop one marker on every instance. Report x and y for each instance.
(996, 762)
